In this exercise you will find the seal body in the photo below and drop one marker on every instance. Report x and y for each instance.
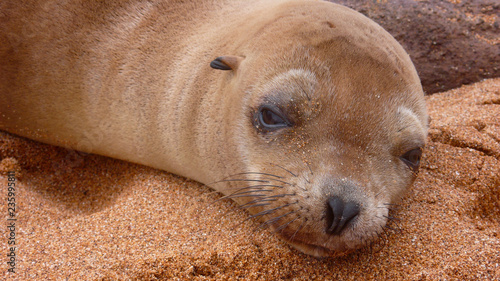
(312, 117)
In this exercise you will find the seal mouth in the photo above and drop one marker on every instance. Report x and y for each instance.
(316, 250)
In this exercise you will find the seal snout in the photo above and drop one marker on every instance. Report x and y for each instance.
(340, 214)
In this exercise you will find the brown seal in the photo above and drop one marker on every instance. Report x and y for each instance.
(311, 117)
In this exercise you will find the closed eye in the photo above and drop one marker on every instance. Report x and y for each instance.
(270, 118)
(412, 158)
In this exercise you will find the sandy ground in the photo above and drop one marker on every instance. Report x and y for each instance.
(87, 217)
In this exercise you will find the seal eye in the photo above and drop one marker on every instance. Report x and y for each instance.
(412, 158)
(270, 118)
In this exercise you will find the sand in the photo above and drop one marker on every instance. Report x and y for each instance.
(87, 217)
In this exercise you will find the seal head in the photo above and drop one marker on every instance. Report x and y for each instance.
(330, 127)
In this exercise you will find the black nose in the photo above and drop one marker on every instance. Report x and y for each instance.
(339, 215)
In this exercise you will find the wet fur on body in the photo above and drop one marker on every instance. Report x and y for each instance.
(132, 80)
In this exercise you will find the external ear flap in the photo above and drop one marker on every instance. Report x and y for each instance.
(226, 62)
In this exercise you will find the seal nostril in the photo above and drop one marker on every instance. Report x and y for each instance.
(339, 214)
(351, 211)
(334, 210)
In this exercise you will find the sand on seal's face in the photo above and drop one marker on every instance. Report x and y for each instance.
(87, 217)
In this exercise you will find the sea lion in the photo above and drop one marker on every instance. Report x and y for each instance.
(305, 113)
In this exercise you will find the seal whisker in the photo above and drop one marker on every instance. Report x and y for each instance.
(237, 192)
(231, 180)
(270, 221)
(388, 227)
(280, 228)
(254, 173)
(278, 181)
(399, 229)
(245, 188)
(368, 246)
(373, 238)
(391, 206)
(388, 207)
(263, 213)
(310, 170)
(246, 192)
(281, 195)
(259, 200)
(377, 242)
(254, 205)
(304, 177)
(391, 218)
(255, 186)
(298, 229)
(395, 220)
(250, 195)
(364, 242)
(270, 211)
(250, 204)
(284, 169)
(383, 229)
(240, 191)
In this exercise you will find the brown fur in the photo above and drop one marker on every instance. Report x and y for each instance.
(131, 80)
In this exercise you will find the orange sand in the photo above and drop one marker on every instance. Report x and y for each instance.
(86, 217)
